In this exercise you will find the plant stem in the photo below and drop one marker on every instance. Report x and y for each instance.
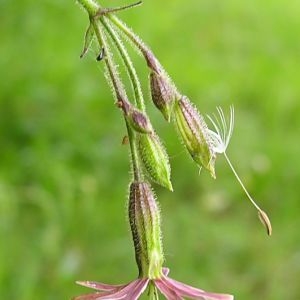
(90, 6)
(119, 8)
(152, 62)
(121, 96)
(153, 292)
(129, 33)
(128, 64)
(137, 174)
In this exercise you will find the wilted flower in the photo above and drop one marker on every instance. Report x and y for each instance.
(195, 134)
(170, 288)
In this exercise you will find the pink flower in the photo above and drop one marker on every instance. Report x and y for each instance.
(170, 288)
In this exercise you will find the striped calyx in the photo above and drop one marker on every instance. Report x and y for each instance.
(195, 134)
(144, 218)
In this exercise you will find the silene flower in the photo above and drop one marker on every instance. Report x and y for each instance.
(144, 219)
(202, 143)
(170, 288)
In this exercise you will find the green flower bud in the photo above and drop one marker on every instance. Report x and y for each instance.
(195, 134)
(163, 94)
(144, 219)
(155, 159)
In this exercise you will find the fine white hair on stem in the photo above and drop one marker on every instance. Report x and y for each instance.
(220, 139)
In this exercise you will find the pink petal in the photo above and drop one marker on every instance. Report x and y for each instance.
(165, 271)
(92, 296)
(128, 291)
(95, 296)
(170, 294)
(194, 293)
(124, 292)
(100, 286)
(139, 289)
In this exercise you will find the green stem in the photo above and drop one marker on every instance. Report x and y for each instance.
(90, 6)
(128, 64)
(121, 95)
(153, 295)
(119, 8)
(152, 61)
(129, 33)
(137, 174)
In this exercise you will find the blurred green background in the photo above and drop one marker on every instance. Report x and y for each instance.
(64, 173)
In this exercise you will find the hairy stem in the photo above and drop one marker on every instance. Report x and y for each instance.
(128, 64)
(132, 36)
(153, 295)
(121, 96)
(152, 61)
(91, 6)
(119, 8)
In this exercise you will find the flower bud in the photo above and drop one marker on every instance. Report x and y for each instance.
(139, 121)
(144, 219)
(155, 159)
(194, 133)
(151, 60)
(163, 94)
(136, 119)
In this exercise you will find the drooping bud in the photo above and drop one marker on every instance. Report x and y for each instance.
(163, 94)
(88, 38)
(144, 218)
(150, 58)
(194, 133)
(139, 121)
(155, 159)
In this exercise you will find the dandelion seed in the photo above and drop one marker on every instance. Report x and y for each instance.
(220, 139)
(263, 217)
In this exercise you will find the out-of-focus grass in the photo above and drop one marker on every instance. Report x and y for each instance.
(64, 173)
